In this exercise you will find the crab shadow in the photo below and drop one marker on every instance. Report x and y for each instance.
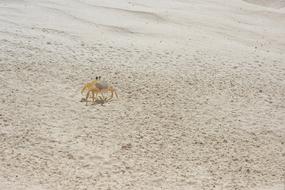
(96, 102)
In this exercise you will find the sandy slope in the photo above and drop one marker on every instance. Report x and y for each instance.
(201, 95)
(268, 3)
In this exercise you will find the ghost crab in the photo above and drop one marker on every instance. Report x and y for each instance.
(97, 86)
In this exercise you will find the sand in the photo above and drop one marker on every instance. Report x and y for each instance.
(201, 95)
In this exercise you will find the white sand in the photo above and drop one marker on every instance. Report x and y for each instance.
(201, 89)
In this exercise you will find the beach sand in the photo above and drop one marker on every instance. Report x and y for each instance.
(201, 88)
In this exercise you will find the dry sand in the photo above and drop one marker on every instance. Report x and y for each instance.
(201, 88)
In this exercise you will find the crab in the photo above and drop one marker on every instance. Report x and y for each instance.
(97, 86)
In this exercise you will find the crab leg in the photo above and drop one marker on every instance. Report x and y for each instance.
(87, 96)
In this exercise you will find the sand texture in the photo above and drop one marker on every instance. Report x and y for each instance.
(201, 88)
